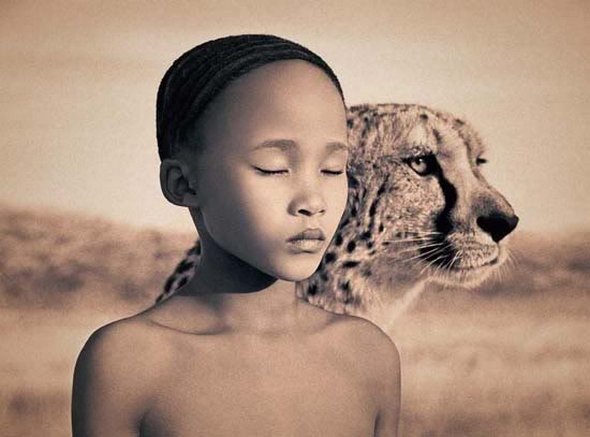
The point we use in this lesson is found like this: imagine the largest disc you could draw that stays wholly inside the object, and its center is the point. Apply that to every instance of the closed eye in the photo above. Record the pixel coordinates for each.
(333, 172)
(285, 171)
(270, 172)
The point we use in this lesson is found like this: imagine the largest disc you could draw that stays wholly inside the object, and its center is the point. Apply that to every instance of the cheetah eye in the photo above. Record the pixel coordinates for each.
(423, 165)
(480, 161)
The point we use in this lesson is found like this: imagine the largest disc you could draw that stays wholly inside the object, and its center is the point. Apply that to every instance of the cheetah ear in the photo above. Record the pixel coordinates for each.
(175, 183)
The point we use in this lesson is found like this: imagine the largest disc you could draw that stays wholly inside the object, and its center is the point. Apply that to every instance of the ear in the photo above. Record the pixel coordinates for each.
(175, 183)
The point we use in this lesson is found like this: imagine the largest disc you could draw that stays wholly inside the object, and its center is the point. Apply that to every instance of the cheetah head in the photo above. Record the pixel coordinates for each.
(419, 209)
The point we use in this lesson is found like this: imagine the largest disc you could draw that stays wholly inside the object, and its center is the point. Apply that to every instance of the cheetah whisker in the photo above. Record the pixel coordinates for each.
(413, 249)
(432, 252)
(416, 235)
(455, 258)
(511, 259)
(410, 240)
(430, 263)
(420, 232)
(425, 255)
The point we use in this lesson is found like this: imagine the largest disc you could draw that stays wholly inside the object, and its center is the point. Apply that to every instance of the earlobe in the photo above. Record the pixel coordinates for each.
(175, 184)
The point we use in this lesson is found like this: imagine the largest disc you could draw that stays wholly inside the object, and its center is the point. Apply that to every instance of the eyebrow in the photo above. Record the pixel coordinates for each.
(284, 145)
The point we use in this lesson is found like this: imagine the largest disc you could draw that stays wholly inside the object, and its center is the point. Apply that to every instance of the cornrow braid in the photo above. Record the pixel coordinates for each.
(196, 77)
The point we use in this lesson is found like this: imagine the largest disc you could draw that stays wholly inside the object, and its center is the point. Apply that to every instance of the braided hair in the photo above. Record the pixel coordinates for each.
(197, 76)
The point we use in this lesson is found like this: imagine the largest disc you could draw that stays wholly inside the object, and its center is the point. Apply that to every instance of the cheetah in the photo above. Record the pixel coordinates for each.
(419, 210)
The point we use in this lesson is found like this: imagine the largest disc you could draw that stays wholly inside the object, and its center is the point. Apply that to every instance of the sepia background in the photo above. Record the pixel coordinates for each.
(87, 237)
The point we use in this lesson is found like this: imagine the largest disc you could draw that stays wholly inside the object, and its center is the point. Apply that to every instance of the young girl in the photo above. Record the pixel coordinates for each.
(252, 138)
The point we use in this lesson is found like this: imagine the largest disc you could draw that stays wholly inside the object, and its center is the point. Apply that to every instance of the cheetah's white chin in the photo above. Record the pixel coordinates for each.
(469, 276)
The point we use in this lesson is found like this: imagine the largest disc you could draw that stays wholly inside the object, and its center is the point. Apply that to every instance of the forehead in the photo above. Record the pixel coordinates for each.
(290, 98)
(280, 84)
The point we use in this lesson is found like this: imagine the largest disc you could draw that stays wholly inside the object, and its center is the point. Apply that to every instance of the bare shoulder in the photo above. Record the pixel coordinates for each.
(379, 359)
(125, 341)
(115, 377)
(368, 341)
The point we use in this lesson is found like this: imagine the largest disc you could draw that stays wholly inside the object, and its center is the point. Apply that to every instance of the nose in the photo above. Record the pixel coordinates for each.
(311, 208)
(309, 204)
(498, 225)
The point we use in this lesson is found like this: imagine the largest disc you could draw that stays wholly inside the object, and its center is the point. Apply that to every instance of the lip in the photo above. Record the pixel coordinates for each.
(308, 234)
(306, 245)
(310, 240)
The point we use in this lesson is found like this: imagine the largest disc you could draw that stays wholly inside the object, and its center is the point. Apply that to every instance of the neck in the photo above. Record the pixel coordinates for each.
(239, 296)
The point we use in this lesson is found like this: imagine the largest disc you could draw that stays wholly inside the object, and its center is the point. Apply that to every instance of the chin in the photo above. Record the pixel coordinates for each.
(293, 278)
(297, 270)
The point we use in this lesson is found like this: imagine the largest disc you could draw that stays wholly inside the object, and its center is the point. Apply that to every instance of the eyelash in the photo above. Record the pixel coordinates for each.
(277, 172)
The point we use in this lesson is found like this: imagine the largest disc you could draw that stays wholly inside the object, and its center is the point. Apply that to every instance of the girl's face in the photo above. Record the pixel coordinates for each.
(274, 164)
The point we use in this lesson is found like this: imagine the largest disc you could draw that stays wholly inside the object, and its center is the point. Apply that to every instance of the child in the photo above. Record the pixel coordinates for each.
(252, 138)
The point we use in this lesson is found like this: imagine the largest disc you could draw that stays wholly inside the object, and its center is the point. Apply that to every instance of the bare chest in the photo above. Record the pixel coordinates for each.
(261, 389)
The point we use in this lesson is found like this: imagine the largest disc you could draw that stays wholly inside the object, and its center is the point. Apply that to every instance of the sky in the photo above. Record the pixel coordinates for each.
(78, 82)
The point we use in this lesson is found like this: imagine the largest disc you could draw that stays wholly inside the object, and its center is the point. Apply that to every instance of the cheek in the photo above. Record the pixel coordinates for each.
(336, 200)
(245, 208)
(343, 195)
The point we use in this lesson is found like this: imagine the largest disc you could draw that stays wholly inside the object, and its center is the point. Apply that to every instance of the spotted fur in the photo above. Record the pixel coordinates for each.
(419, 209)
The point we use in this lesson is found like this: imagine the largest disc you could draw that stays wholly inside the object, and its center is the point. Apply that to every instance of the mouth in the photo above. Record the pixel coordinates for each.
(308, 234)
(488, 263)
(462, 263)
(467, 276)
(310, 240)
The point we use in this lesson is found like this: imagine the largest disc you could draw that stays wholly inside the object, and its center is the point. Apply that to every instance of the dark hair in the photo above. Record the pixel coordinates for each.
(197, 76)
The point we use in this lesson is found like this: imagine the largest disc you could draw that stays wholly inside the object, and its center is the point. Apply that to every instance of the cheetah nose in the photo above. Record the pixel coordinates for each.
(497, 225)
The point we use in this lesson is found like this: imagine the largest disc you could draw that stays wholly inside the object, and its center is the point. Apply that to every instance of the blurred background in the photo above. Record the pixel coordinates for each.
(87, 237)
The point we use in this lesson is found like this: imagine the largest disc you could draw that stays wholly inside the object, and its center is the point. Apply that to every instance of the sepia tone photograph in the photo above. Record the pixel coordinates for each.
(294, 218)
